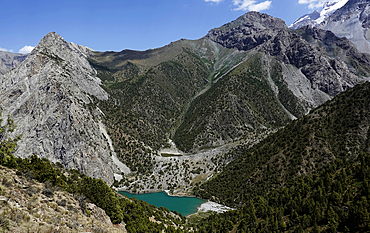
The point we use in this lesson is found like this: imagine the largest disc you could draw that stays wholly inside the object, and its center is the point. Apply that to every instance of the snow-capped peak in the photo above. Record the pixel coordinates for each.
(315, 18)
(329, 8)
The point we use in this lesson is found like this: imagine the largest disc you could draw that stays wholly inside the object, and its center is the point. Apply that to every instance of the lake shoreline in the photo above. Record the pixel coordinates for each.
(203, 207)
(183, 204)
(158, 191)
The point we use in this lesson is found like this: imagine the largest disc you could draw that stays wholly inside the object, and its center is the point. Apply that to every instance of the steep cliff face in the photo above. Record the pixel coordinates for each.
(49, 98)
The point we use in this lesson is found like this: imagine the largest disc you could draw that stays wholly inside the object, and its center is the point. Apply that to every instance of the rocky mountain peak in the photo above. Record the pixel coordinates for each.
(70, 56)
(52, 44)
(254, 20)
(264, 20)
(54, 41)
(308, 49)
(352, 7)
(52, 38)
(248, 31)
(49, 97)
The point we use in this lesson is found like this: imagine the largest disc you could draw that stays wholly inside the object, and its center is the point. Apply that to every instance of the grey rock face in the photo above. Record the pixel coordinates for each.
(49, 97)
(329, 75)
(3, 67)
(83, 49)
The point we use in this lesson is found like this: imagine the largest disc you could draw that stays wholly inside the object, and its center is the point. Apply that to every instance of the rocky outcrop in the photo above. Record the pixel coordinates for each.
(49, 97)
(327, 74)
(3, 67)
(248, 31)
(83, 49)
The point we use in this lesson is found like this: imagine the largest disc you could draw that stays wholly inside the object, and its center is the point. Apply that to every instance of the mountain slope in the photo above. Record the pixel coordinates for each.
(28, 205)
(36, 194)
(238, 104)
(333, 199)
(154, 89)
(338, 129)
(49, 97)
(296, 70)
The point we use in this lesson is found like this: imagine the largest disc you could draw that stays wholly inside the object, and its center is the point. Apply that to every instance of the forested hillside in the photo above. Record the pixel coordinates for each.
(145, 108)
(339, 129)
(335, 198)
(238, 104)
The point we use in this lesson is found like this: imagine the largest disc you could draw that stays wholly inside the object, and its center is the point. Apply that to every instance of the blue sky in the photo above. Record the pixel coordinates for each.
(113, 25)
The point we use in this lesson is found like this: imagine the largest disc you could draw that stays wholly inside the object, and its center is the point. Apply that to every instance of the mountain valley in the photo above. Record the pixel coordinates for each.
(234, 117)
(287, 74)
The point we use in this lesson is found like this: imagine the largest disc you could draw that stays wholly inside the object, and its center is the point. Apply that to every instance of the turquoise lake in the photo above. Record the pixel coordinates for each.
(183, 205)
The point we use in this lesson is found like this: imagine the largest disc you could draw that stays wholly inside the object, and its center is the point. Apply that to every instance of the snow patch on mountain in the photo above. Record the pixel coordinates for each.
(329, 8)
